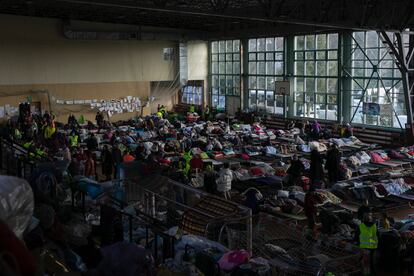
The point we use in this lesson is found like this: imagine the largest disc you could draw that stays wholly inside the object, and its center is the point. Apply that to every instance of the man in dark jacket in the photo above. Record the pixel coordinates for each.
(92, 143)
(117, 159)
(316, 168)
(333, 162)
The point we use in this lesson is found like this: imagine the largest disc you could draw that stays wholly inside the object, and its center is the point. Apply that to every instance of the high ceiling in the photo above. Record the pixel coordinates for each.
(227, 18)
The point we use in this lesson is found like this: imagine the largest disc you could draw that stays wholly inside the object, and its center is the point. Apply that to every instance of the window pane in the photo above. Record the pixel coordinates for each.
(333, 41)
(261, 68)
(261, 44)
(236, 45)
(332, 68)
(252, 56)
(279, 68)
(270, 56)
(299, 84)
(310, 85)
(279, 44)
(222, 67)
(252, 82)
(214, 47)
(252, 45)
(332, 85)
(270, 44)
(321, 41)
(222, 46)
(236, 67)
(321, 85)
(252, 68)
(299, 68)
(270, 68)
(321, 68)
(310, 42)
(309, 68)
(321, 55)
(261, 82)
(214, 67)
(229, 46)
(300, 43)
(229, 68)
(270, 83)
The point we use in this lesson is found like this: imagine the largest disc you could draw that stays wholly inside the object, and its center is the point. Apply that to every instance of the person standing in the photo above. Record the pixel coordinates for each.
(117, 159)
(206, 113)
(316, 168)
(367, 239)
(333, 163)
(295, 171)
(311, 209)
(224, 181)
(107, 163)
(210, 179)
(90, 166)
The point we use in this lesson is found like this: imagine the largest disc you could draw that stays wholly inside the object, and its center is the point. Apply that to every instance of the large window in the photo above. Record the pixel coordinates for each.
(316, 76)
(225, 71)
(192, 93)
(376, 82)
(266, 65)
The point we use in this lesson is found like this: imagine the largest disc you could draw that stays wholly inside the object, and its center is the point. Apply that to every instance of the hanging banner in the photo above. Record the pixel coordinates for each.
(372, 109)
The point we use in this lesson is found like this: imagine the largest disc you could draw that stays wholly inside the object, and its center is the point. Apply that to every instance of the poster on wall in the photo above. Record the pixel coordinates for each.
(282, 87)
(372, 109)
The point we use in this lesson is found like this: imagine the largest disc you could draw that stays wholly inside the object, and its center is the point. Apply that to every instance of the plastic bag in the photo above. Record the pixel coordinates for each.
(16, 204)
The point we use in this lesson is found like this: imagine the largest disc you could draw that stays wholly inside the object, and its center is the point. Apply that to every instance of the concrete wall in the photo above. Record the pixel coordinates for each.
(198, 63)
(35, 55)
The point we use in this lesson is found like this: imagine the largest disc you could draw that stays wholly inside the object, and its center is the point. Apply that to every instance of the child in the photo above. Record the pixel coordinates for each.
(224, 181)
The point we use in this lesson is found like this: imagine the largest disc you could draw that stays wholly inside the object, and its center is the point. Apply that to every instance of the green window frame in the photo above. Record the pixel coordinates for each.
(266, 63)
(375, 79)
(316, 77)
(225, 71)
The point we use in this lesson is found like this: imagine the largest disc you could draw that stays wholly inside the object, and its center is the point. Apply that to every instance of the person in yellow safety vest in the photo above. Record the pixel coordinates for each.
(159, 114)
(367, 238)
(29, 147)
(49, 131)
(73, 139)
(192, 109)
(162, 109)
(17, 134)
